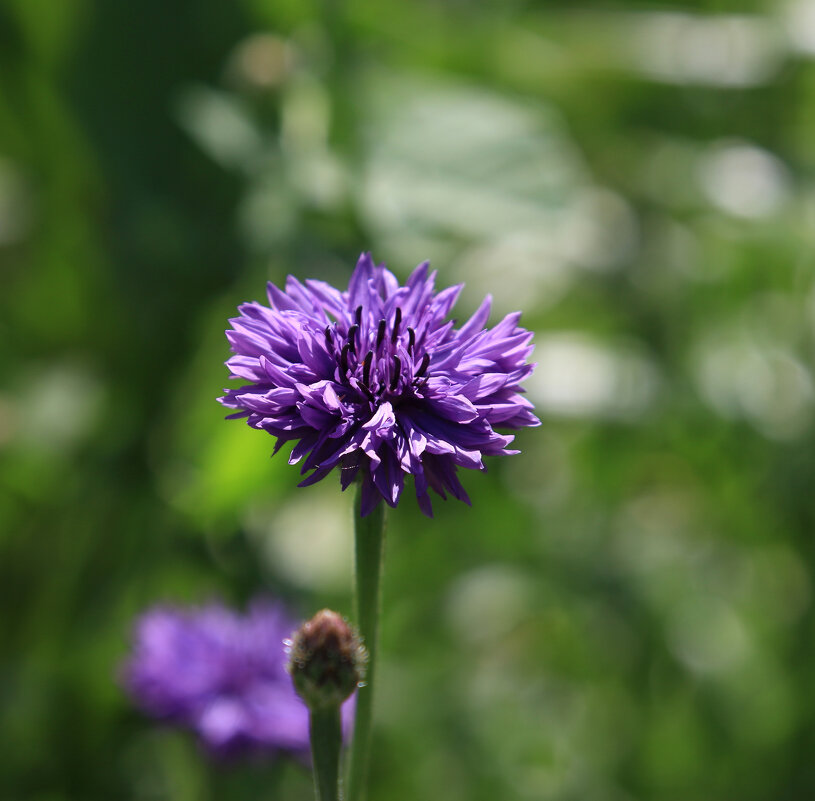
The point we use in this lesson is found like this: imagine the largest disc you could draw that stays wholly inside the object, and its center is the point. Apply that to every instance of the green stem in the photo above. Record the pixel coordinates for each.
(326, 741)
(369, 550)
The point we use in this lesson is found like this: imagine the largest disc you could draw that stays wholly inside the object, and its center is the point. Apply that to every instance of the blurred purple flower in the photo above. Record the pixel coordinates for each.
(374, 381)
(221, 674)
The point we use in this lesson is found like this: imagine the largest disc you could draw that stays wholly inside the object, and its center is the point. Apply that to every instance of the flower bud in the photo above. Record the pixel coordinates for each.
(326, 660)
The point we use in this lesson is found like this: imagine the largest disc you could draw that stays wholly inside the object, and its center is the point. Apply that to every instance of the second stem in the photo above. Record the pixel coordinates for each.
(326, 742)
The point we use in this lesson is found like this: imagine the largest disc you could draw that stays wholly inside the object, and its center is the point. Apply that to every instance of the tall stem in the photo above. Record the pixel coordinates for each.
(326, 741)
(369, 551)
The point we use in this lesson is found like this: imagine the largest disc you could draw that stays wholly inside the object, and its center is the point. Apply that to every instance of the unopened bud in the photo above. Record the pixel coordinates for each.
(326, 660)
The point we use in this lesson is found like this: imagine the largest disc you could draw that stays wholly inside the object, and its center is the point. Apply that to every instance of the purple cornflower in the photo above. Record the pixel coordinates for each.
(221, 674)
(374, 381)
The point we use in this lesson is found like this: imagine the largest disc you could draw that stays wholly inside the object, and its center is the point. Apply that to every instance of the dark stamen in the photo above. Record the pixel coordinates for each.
(397, 369)
(352, 334)
(380, 333)
(328, 342)
(368, 393)
(423, 366)
(397, 320)
(411, 340)
(344, 358)
(358, 315)
(366, 367)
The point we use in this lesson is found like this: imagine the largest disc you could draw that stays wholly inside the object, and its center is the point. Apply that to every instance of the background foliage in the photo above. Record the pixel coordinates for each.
(626, 611)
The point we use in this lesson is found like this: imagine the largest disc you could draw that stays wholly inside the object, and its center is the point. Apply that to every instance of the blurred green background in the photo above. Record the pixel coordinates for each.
(626, 611)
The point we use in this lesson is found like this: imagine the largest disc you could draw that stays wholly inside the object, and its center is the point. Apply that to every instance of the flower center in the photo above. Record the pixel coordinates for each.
(378, 361)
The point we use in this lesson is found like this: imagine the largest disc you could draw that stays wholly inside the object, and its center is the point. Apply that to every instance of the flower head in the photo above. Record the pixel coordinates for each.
(221, 674)
(375, 381)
